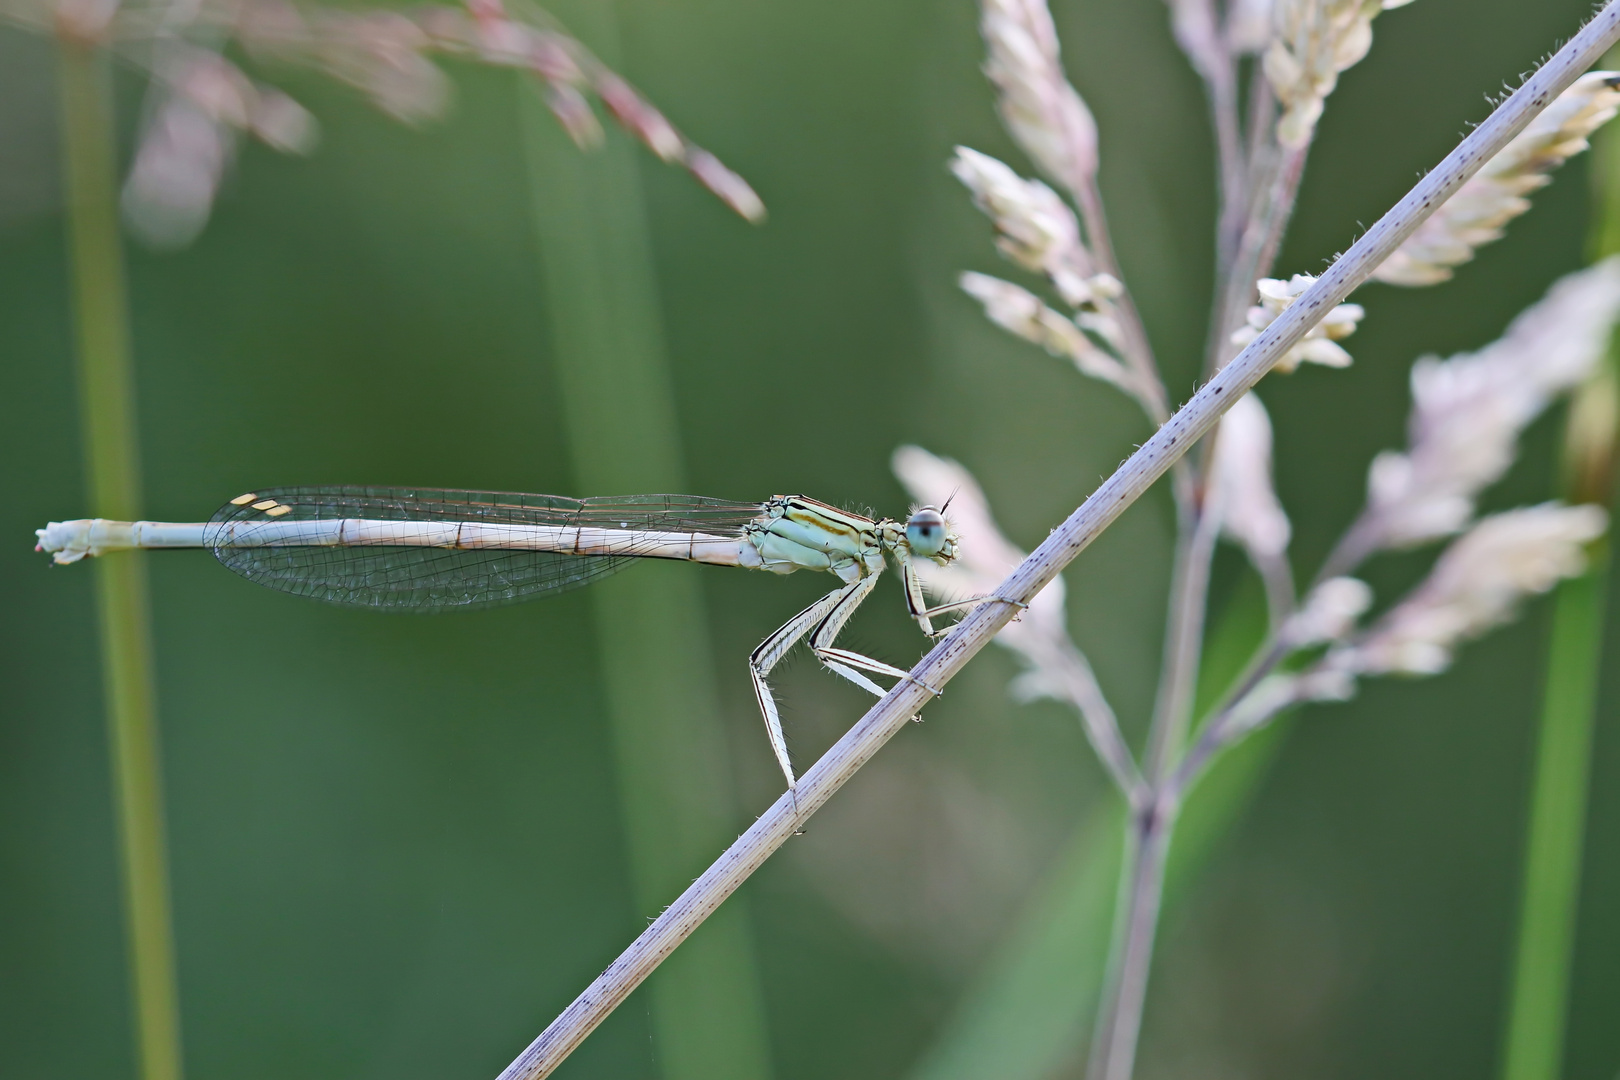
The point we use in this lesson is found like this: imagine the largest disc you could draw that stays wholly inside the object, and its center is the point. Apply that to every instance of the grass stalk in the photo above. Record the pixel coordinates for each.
(620, 419)
(1101, 509)
(1136, 922)
(1552, 868)
(1538, 1003)
(111, 452)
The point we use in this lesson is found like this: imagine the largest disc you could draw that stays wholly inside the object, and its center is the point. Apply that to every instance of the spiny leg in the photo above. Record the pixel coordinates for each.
(770, 653)
(918, 609)
(843, 661)
(916, 606)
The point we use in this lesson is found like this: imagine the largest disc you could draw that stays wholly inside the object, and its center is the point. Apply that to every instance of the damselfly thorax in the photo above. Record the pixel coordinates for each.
(416, 549)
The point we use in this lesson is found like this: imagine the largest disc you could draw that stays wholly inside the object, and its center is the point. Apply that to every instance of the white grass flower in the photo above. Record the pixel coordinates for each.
(1044, 114)
(1054, 667)
(1195, 26)
(1468, 411)
(1479, 213)
(189, 141)
(725, 184)
(572, 75)
(283, 124)
(1329, 613)
(1248, 26)
(1320, 346)
(383, 54)
(1036, 229)
(183, 156)
(203, 102)
(1324, 684)
(1241, 490)
(1023, 313)
(1312, 42)
(1477, 585)
(985, 556)
(1040, 635)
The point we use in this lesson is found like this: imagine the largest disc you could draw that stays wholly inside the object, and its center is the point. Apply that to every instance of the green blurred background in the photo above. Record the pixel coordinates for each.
(396, 843)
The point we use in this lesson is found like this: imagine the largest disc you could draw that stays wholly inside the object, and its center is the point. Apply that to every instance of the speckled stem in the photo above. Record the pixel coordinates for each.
(1128, 483)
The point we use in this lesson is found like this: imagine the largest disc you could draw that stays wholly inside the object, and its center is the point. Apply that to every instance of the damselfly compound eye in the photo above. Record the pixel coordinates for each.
(925, 532)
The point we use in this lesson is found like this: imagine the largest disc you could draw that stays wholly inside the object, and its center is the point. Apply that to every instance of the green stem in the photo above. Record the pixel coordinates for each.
(1552, 873)
(619, 416)
(106, 387)
(1538, 1003)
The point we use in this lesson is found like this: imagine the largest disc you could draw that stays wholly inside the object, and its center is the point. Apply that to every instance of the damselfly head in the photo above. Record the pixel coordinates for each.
(927, 535)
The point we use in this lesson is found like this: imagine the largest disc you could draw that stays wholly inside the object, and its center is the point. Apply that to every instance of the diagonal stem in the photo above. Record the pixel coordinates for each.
(618, 410)
(1138, 349)
(1150, 462)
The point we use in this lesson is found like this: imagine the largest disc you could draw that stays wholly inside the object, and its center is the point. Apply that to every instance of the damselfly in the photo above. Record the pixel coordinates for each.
(422, 549)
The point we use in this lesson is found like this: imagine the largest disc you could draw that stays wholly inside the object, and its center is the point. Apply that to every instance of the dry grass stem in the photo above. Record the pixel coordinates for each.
(979, 627)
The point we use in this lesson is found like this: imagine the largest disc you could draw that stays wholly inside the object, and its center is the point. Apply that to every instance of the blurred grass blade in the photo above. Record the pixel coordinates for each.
(1552, 869)
(1538, 1004)
(1030, 1011)
(107, 401)
(1549, 902)
(619, 413)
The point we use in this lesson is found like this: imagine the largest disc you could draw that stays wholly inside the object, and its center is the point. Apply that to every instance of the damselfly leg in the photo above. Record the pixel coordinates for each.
(919, 610)
(822, 621)
(417, 549)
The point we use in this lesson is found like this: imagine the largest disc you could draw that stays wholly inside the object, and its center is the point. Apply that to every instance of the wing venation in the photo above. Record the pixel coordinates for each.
(408, 578)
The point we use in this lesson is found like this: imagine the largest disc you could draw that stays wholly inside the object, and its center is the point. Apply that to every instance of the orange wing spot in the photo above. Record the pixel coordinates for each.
(264, 504)
(243, 500)
(277, 511)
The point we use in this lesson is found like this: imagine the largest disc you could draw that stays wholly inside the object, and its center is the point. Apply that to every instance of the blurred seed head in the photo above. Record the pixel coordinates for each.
(1312, 41)
(1248, 26)
(283, 124)
(1036, 229)
(1021, 312)
(1481, 209)
(1478, 584)
(1241, 490)
(84, 22)
(383, 55)
(177, 171)
(204, 101)
(639, 118)
(1044, 114)
(731, 188)
(1329, 613)
(1194, 25)
(189, 142)
(985, 557)
(1468, 411)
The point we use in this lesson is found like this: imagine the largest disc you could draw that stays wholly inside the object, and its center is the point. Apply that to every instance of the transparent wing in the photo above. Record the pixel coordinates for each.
(433, 578)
